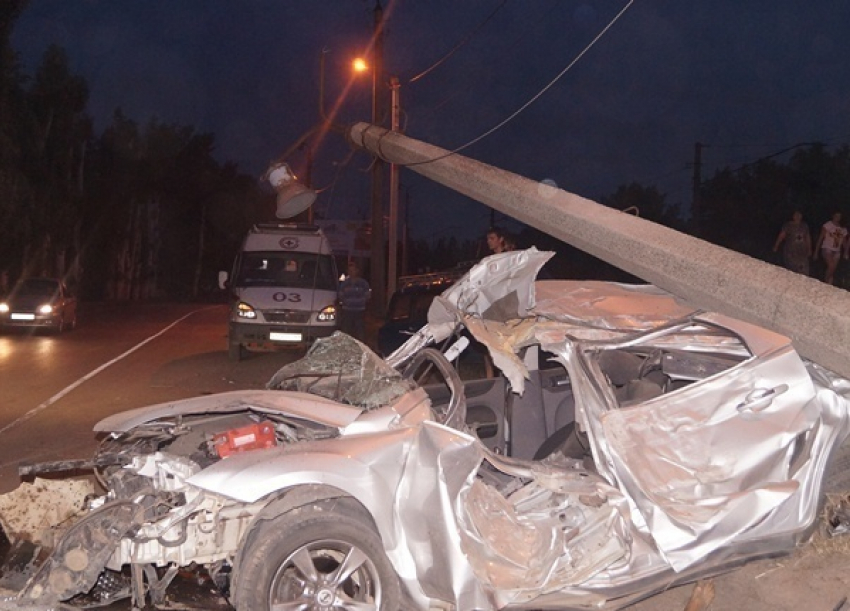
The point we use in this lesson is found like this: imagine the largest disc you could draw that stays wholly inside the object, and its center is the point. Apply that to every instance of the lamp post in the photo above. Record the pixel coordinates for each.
(392, 270)
(377, 262)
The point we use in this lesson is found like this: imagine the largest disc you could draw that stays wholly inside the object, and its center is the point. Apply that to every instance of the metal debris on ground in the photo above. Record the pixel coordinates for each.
(34, 510)
(837, 514)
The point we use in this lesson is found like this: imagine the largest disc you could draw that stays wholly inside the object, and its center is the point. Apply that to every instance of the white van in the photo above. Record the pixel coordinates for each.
(283, 288)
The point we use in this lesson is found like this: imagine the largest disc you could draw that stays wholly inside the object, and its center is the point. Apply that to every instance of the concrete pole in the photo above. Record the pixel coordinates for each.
(814, 315)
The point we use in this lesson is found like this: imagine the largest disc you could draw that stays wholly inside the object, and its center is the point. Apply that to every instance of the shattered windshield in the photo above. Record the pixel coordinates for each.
(345, 370)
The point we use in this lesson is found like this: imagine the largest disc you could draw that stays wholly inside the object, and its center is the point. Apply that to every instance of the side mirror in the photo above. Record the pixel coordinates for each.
(222, 280)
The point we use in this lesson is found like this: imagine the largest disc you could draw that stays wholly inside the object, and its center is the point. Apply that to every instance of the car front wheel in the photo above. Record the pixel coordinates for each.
(318, 558)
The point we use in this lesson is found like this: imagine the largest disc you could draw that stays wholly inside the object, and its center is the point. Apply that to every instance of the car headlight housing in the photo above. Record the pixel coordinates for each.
(243, 310)
(45, 309)
(327, 314)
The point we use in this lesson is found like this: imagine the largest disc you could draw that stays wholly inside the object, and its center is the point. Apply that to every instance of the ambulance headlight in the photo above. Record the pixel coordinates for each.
(327, 314)
(243, 310)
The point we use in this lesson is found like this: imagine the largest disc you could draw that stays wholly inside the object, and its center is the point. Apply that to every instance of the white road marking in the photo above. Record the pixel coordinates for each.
(93, 373)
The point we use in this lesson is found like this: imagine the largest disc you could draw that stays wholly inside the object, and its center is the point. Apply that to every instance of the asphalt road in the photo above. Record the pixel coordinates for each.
(55, 388)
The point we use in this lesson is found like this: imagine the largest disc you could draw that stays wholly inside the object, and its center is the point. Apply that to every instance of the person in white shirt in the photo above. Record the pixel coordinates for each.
(831, 242)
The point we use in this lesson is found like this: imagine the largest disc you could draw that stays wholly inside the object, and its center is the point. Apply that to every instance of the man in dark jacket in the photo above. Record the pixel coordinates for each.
(354, 293)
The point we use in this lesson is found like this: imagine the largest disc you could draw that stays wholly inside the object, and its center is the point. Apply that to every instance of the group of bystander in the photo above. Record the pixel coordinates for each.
(796, 243)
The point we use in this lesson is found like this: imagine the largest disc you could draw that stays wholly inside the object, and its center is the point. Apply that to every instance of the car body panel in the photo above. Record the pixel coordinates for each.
(319, 409)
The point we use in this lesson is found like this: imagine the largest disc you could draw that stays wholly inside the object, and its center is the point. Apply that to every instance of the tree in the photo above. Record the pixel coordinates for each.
(56, 131)
(743, 208)
(646, 202)
(13, 185)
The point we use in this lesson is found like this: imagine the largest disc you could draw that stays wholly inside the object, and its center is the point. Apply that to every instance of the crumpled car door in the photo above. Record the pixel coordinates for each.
(708, 462)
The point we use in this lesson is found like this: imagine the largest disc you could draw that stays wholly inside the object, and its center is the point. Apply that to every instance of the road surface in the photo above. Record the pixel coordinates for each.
(54, 388)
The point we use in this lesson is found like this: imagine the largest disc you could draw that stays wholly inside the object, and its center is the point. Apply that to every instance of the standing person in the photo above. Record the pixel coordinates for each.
(495, 240)
(354, 293)
(796, 242)
(830, 243)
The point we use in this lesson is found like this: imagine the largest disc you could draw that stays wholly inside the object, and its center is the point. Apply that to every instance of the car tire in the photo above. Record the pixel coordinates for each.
(291, 560)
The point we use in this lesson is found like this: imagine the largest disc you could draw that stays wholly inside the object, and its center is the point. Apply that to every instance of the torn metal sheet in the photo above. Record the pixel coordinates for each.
(608, 305)
(499, 288)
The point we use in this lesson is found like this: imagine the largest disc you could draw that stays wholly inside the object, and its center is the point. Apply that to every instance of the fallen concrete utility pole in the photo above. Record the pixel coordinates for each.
(816, 316)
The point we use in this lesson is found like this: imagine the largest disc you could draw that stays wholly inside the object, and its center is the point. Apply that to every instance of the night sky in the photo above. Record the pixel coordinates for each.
(745, 78)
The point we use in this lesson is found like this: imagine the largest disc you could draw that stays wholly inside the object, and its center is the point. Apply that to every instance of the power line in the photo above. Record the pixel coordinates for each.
(534, 98)
(460, 44)
(830, 142)
(512, 44)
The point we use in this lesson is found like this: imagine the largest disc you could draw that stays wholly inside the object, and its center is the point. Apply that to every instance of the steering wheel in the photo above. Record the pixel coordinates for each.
(454, 413)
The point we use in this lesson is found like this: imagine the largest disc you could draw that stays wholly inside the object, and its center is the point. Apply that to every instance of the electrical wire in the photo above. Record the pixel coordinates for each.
(534, 98)
(462, 42)
(512, 44)
(832, 141)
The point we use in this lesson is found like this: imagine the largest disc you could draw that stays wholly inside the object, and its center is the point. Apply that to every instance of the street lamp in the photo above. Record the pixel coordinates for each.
(377, 262)
(360, 65)
(293, 198)
(392, 271)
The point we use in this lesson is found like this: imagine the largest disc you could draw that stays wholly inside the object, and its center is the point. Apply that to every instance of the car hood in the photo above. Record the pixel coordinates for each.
(30, 302)
(297, 404)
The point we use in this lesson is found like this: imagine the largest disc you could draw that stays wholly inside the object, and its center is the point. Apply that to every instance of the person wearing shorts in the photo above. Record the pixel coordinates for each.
(833, 235)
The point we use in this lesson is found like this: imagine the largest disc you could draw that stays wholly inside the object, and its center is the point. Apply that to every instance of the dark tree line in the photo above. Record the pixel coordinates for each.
(744, 208)
(135, 212)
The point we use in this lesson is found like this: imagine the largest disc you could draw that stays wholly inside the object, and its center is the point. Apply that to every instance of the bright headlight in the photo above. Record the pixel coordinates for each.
(45, 309)
(4, 307)
(243, 310)
(327, 314)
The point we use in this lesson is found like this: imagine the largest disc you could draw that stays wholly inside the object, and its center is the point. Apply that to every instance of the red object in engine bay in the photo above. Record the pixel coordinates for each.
(257, 436)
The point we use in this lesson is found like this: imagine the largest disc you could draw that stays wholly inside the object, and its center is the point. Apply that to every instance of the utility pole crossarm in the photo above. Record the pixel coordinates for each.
(814, 315)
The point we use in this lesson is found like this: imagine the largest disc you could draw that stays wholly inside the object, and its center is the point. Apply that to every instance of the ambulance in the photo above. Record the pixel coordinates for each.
(283, 288)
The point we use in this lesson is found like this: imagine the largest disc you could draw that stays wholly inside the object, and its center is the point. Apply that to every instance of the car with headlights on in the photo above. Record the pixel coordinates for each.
(40, 303)
(630, 443)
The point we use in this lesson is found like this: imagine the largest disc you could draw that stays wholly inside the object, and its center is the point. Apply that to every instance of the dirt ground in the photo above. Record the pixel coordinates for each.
(815, 578)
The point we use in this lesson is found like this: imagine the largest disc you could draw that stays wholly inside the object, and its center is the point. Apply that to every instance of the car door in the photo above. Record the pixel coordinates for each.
(704, 463)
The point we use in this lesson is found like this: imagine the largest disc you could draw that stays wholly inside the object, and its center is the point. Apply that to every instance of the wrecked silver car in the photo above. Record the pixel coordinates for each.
(629, 443)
